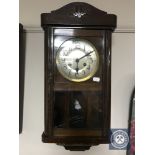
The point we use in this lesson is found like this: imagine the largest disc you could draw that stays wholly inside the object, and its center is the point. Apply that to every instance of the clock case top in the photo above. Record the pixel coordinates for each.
(87, 22)
(79, 14)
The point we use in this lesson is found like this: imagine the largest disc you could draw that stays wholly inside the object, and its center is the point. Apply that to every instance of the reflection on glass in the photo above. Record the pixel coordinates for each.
(78, 109)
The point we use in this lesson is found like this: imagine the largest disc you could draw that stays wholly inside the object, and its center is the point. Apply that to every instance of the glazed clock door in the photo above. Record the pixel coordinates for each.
(79, 83)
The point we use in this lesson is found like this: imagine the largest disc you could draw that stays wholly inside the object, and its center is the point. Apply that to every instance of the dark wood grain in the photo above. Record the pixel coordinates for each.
(79, 20)
(21, 74)
(91, 16)
(79, 132)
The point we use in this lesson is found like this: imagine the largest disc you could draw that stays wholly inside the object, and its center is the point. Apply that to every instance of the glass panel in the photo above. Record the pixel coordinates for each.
(78, 85)
(77, 109)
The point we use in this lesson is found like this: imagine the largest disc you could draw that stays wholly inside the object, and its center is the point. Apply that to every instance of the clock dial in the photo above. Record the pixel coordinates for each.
(77, 60)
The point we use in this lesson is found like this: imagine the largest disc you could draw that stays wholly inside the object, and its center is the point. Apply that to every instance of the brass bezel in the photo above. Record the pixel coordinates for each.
(87, 77)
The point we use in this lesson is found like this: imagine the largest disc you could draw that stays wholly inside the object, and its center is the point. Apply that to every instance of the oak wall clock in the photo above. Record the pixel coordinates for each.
(77, 76)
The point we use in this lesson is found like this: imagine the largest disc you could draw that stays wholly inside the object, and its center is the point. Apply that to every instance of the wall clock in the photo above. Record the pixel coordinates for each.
(77, 76)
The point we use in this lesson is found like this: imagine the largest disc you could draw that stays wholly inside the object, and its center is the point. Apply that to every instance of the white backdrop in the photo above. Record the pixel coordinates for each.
(30, 10)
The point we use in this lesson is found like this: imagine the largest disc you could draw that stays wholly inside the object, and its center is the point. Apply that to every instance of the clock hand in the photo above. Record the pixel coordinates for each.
(77, 60)
(85, 55)
(77, 68)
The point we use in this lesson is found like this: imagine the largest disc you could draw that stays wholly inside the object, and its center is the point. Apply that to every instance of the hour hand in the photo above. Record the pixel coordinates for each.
(77, 68)
(77, 72)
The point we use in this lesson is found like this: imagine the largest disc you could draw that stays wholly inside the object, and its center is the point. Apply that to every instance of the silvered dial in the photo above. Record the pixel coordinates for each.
(77, 60)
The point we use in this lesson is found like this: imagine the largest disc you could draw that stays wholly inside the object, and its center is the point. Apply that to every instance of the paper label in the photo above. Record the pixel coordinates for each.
(96, 79)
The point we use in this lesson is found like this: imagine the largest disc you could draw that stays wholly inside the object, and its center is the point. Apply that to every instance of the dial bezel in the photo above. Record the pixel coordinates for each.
(92, 73)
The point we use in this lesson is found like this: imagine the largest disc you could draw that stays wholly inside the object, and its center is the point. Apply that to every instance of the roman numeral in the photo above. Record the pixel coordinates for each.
(88, 67)
(84, 72)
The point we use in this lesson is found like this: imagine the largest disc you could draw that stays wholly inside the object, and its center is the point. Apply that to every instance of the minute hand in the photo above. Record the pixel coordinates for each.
(86, 55)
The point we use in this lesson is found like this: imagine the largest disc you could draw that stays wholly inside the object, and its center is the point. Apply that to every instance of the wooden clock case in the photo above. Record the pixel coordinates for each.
(77, 20)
